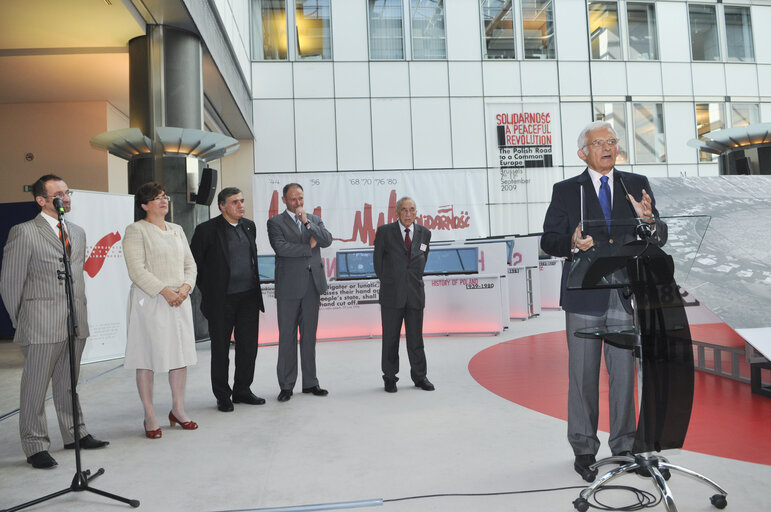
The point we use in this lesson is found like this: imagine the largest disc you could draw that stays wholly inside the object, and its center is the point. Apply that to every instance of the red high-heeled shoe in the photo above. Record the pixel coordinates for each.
(187, 425)
(152, 434)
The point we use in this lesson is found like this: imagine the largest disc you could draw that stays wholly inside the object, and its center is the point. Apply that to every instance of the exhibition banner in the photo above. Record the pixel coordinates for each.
(104, 217)
(523, 138)
(451, 203)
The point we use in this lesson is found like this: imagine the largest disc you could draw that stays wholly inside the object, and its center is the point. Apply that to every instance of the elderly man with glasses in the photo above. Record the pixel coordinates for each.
(600, 191)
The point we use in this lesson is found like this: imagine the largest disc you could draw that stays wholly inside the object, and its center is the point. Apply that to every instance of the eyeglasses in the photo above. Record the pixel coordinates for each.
(599, 143)
(61, 195)
(162, 198)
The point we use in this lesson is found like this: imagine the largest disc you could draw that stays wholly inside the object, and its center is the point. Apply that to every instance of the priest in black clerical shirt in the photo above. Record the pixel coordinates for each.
(225, 252)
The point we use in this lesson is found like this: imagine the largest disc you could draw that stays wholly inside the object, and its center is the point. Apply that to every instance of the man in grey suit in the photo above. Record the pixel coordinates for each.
(34, 294)
(297, 238)
(401, 251)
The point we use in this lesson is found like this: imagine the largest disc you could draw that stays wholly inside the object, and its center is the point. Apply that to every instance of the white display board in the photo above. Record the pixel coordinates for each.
(104, 217)
(454, 305)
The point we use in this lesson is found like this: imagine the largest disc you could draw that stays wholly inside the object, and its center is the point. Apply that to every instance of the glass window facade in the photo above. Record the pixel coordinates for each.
(538, 29)
(498, 29)
(269, 30)
(386, 32)
(615, 114)
(743, 114)
(603, 30)
(704, 34)
(738, 33)
(314, 39)
(709, 117)
(650, 145)
(428, 33)
(643, 40)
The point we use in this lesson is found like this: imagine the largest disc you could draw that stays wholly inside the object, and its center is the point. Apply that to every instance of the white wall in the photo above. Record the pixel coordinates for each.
(351, 114)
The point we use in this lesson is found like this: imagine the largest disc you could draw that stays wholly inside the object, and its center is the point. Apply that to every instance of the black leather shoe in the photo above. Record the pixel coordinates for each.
(316, 390)
(625, 453)
(42, 460)
(88, 443)
(581, 465)
(425, 385)
(390, 386)
(225, 405)
(247, 398)
(285, 395)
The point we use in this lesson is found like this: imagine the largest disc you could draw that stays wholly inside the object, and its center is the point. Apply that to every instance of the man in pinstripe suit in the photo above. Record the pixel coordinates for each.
(34, 295)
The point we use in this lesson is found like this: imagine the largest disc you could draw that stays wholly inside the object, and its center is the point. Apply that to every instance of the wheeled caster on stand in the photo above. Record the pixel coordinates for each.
(654, 467)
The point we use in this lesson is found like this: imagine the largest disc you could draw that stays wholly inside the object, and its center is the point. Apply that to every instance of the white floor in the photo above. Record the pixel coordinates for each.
(359, 443)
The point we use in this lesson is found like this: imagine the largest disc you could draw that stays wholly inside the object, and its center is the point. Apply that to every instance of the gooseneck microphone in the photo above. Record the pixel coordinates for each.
(642, 229)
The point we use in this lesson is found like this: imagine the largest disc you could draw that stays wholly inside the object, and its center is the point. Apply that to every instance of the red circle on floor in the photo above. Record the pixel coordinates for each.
(727, 420)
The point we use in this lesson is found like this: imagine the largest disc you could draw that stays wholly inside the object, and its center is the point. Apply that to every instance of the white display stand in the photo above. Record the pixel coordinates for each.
(524, 279)
(550, 277)
(493, 261)
(456, 304)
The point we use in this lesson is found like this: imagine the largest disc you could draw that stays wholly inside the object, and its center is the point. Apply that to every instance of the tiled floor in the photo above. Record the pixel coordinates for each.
(358, 443)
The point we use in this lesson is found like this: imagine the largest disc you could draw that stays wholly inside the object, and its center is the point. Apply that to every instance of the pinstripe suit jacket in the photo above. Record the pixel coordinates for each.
(32, 292)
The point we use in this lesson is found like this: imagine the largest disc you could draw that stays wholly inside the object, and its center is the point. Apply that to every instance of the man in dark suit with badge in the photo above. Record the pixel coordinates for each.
(601, 191)
(401, 251)
(225, 252)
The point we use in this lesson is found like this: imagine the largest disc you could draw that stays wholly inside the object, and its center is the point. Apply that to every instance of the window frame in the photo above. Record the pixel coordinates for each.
(627, 30)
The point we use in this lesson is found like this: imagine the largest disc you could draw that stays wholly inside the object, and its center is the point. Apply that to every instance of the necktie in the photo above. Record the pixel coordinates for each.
(407, 241)
(299, 224)
(66, 238)
(605, 199)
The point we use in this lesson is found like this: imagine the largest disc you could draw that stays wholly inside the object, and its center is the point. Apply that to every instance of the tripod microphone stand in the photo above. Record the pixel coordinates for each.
(82, 478)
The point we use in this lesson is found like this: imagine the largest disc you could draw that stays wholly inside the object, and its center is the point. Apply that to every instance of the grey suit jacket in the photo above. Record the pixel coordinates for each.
(401, 276)
(32, 292)
(294, 255)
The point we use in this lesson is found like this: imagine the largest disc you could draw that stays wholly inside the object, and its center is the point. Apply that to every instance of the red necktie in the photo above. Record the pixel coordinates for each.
(66, 239)
(407, 241)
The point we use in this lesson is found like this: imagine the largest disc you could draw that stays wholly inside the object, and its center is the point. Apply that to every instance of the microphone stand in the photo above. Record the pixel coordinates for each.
(82, 478)
(641, 229)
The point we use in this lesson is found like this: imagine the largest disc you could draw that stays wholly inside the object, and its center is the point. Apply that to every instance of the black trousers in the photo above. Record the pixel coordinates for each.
(240, 317)
(392, 319)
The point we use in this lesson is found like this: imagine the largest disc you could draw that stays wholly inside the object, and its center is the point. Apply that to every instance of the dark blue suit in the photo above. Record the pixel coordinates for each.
(595, 308)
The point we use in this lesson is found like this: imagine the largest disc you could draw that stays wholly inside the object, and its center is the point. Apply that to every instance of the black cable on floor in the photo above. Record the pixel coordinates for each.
(644, 499)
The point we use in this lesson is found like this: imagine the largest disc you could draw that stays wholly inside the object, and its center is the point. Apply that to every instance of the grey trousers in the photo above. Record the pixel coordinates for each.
(293, 314)
(44, 363)
(584, 375)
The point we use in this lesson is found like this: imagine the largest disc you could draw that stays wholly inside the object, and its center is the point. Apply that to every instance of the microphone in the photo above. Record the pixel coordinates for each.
(642, 229)
(59, 205)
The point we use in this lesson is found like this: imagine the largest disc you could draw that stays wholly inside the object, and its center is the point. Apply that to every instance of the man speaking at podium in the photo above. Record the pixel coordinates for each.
(600, 191)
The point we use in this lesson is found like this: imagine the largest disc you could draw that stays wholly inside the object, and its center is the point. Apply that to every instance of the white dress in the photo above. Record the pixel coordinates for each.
(160, 337)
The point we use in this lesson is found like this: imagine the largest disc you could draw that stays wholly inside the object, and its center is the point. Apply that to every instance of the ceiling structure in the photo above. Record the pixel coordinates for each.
(77, 50)
(66, 51)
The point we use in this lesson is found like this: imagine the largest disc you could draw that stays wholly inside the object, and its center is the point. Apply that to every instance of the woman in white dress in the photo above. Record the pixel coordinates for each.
(160, 318)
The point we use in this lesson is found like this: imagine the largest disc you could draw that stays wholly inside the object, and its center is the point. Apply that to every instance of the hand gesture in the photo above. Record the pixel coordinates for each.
(643, 208)
(171, 296)
(301, 214)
